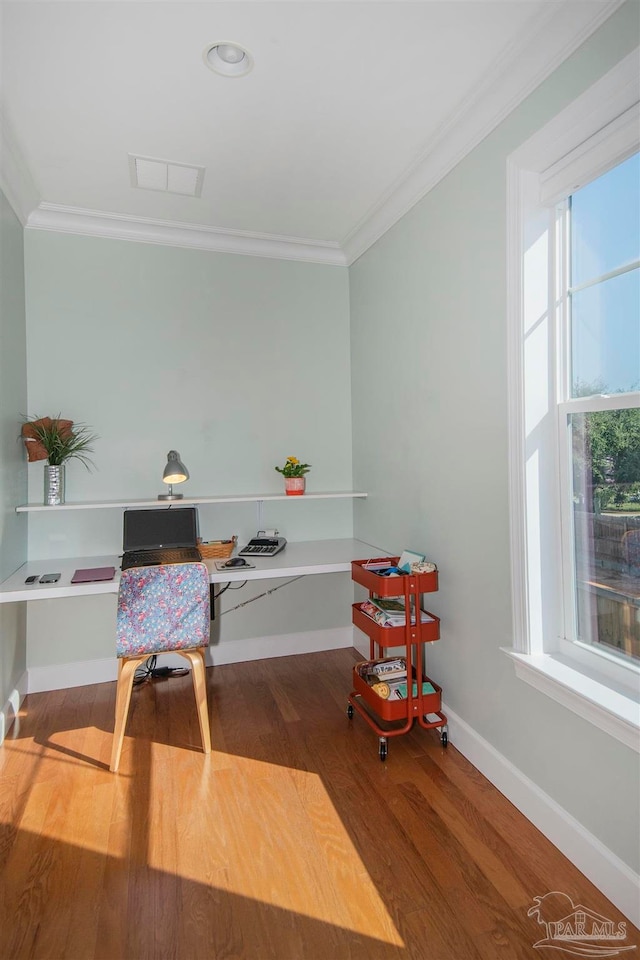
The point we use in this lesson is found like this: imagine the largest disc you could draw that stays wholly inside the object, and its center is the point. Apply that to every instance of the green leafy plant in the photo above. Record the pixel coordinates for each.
(293, 468)
(58, 440)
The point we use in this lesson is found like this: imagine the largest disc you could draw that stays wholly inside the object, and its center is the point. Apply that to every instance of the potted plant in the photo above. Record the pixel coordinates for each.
(294, 479)
(56, 441)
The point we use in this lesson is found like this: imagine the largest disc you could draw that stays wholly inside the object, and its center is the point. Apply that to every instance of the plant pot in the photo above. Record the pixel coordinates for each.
(53, 485)
(294, 486)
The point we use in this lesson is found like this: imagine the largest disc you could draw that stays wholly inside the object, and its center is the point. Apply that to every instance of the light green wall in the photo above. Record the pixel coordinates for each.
(13, 475)
(237, 362)
(428, 318)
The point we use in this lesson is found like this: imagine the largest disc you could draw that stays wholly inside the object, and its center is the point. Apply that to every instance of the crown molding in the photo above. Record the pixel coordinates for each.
(96, 223)
(552, 38)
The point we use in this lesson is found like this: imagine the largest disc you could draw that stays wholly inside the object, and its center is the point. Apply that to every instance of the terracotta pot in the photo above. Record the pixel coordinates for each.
(294, 486)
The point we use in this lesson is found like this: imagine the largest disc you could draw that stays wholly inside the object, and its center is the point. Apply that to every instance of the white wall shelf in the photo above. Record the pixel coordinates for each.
(230, 498)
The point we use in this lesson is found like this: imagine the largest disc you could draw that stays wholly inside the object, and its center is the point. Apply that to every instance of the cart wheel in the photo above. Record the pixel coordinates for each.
(382, 749)
(350, 711)
(444, 739)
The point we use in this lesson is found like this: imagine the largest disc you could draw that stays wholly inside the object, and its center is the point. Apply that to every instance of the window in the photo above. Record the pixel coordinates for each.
(599, 416)
(574, 326)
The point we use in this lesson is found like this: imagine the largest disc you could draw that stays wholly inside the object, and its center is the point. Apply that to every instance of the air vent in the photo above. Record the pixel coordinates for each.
(167, 176)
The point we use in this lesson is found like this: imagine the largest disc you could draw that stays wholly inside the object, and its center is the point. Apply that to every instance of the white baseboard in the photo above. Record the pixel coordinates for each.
(361, 642)
(61, 676)
(11, 706)
(604, 869)
(283, 645)
(64, 675)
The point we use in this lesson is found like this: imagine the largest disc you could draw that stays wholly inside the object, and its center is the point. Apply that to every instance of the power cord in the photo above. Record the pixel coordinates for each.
(239, 586)
(149, 671)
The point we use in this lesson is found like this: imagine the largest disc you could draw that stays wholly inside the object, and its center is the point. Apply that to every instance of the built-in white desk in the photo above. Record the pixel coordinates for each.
(297, 559)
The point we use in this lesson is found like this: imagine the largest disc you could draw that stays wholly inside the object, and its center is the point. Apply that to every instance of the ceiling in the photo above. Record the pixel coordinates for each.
(352, 111)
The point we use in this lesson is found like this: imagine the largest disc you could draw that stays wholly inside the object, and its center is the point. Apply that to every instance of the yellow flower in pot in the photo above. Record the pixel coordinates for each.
(294, 476)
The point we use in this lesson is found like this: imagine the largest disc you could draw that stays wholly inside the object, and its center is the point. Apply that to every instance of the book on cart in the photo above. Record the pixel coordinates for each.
(390, 611)
(398, 689)
(391, 669)
(388, 679)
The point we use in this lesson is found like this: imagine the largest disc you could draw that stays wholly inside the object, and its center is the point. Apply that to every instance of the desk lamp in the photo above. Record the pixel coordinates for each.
(174, 472)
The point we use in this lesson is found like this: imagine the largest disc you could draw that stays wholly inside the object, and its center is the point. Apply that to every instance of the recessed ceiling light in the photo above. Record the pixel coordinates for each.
(228, 59)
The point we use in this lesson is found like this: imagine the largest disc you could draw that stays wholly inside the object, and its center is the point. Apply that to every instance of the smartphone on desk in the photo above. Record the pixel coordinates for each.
(49, 578)
(262, 546)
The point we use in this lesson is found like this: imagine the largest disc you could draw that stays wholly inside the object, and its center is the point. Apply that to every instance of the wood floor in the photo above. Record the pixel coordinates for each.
(291, 841)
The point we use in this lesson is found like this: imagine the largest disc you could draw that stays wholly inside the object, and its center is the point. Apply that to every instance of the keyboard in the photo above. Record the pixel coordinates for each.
(152, 558)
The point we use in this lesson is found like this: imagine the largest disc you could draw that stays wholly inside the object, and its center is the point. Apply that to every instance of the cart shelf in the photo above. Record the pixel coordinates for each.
(391, 710)
(364, 573)
(421, 706)
(394, 636)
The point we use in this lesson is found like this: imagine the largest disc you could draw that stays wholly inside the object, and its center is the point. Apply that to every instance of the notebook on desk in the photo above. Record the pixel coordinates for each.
(93, 574)
(164, 535)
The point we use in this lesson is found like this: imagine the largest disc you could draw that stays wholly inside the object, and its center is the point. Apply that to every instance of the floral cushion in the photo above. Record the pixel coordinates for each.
(163, 608)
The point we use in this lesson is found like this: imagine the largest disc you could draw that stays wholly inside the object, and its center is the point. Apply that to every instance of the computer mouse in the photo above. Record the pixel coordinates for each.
(236, 562)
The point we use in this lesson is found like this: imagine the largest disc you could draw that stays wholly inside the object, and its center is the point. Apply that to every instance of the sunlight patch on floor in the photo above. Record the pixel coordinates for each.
(289, 848)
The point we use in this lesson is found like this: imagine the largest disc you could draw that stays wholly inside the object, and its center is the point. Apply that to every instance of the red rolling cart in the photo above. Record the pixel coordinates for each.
(423, 696)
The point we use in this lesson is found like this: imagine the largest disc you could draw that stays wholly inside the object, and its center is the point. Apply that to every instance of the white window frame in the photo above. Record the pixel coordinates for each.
(596, 132)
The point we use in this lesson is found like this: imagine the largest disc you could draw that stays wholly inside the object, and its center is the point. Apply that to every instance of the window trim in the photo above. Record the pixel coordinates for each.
(595, 132)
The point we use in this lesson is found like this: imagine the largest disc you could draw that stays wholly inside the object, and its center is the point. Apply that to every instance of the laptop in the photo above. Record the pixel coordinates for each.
(164, 535)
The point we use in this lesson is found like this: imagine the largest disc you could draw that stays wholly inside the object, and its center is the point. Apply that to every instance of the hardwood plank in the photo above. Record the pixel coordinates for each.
(475, 901)
(290, 841)
(112, 920)
(544, 866)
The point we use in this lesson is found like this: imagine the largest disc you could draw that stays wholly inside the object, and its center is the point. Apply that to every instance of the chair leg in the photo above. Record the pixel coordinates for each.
(126, 669)
(198, 673)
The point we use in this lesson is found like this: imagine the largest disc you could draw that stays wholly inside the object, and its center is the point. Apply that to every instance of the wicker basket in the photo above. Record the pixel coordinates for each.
(216, 549)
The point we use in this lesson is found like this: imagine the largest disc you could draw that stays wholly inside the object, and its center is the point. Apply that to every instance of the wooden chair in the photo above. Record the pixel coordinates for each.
(161, 609)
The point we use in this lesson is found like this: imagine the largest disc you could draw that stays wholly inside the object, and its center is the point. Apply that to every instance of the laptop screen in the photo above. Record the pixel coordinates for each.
(166, 527)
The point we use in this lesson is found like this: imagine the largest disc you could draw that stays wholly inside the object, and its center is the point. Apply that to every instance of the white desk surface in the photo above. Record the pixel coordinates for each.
(297, 559)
